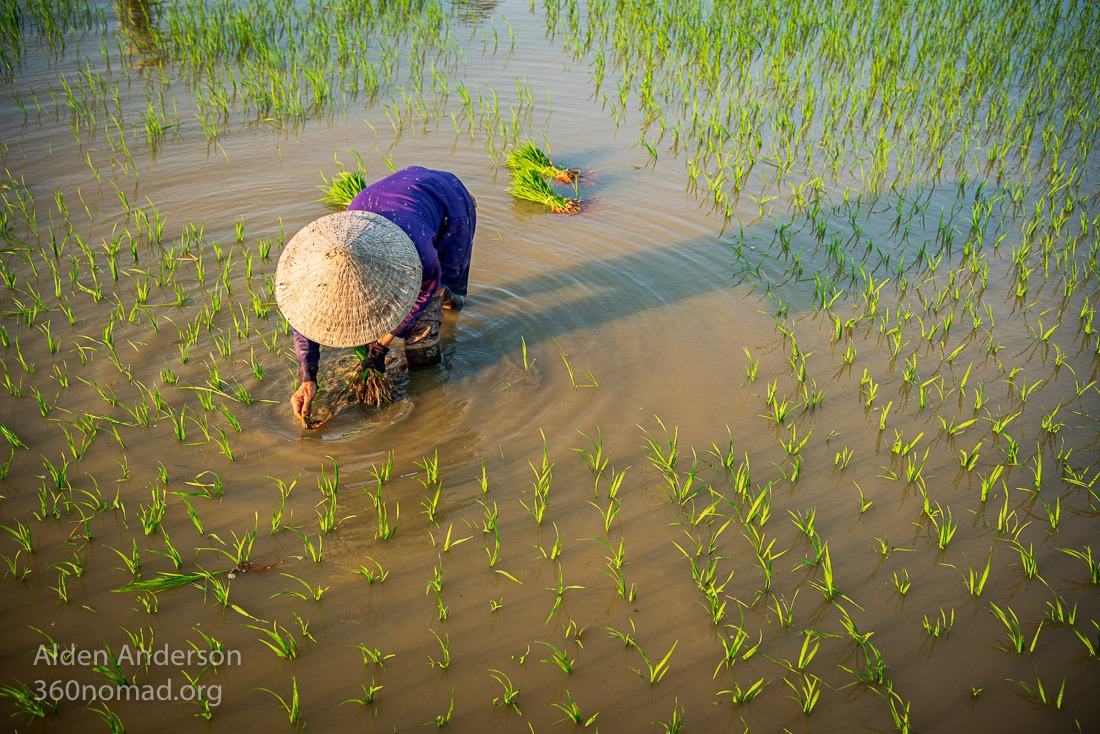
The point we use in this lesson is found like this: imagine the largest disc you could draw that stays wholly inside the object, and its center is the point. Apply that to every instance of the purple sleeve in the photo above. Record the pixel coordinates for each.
(308, 353)
(428, 286)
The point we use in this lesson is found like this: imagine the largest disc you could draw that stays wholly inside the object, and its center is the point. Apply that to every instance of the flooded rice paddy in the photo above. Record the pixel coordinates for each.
(793, 427)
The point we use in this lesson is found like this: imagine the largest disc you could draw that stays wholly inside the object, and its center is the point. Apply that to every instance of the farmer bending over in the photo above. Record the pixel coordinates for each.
(384, 268)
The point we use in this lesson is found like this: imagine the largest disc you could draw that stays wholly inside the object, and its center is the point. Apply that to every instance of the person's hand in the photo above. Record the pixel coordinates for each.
(302, 399)
(376, 358)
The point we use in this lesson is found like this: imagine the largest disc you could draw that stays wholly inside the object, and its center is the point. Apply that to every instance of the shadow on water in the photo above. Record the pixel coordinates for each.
(588, 295)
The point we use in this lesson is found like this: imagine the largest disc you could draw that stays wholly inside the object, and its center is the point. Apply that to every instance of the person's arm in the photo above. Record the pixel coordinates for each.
(308, 353)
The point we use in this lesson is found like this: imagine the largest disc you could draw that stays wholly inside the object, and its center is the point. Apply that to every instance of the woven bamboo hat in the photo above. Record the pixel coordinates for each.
(348, 278)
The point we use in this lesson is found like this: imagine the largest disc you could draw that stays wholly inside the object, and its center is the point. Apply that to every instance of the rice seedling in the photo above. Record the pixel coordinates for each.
(1091, 642)
(528, 185)
(374, 656)
(278, 639)
(807, 694)
(511, 692)
(342, 187)
(1085, 556)
(22, 535)
(27, 701)
(373, 575)
(369, 694)
(975, 581)
(573, 712)
(312, 592)
(1040, 694)
(939, 626)
(442, 720)
(444, 660)
(558, 657)
(528, 156)
(654, 673)
(293, 708)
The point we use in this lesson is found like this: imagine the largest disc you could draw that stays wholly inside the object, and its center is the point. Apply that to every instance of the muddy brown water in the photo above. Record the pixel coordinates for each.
(643, 296)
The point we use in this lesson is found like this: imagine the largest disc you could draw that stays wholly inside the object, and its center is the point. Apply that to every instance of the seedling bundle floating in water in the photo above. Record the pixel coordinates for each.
(530, 168)
(529, 156)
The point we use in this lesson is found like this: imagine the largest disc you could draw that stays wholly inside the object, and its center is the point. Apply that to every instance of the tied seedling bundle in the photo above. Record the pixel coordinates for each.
(529, 185)
(342, 188)
(530, 169)
(368, 387)
(529, 156)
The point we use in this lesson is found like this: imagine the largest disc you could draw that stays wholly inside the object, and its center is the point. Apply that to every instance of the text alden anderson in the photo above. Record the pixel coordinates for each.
(162, 656)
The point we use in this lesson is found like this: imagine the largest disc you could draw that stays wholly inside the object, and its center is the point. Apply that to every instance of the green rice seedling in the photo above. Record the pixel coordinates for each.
(804, 524)
(751, 366)
(170, 552)
(945, 529)
(444, 661)
(314, 552)
(342, 188)
(975, 581)
(278, 639)
(1059, 611)
(374, 656)
(430, 504)
(594, 459)
(114, 723)
(627, 638)
(573, 712)
(528, 185)
(381, 474)
(22, 535)
(675, 722)
(654, 673)
(807, 694)
(902, 583)
(840, 461)
(1085, 556)
(448, 543)
(988, 481)
(511, 692)
(969, 459)
(373, 575)
(442, 720)
(558, 657)
(293, 708)
(608, 515)
(312, 592)
(528, 364)
(529, 156)
(1091, 642)
(1040, 694)
(939, 626)
(827, 585)
(385, 531)
(741, 695)
(27, 701)
(111, 668)
(369, 694)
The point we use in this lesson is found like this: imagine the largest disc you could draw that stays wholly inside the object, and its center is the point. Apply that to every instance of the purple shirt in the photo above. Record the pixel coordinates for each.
(437, 213)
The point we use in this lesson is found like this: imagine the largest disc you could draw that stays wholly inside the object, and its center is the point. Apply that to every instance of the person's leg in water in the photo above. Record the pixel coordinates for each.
(422, 342)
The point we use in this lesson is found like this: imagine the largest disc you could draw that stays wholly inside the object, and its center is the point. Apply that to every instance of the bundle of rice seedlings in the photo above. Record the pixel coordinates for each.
(529, 156)
(528, 184)
(342, 188)
(369, 387)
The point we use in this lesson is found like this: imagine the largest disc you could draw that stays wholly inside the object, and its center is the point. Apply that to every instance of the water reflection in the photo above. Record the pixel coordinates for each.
(137, 22)
(474, 11)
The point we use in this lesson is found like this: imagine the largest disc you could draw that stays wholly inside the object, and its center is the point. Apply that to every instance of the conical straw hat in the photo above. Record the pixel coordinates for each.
(348, 278)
